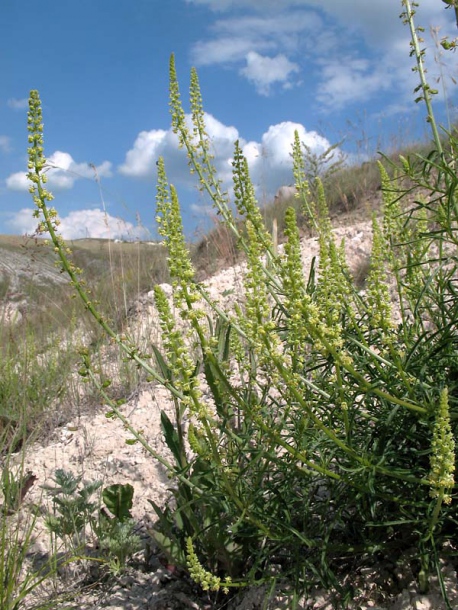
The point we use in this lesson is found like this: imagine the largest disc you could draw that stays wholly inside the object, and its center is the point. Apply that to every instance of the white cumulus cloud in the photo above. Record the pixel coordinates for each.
(17, 182)
(80, 224)
(62, 172)
(265, 71)
(269, 159)
(141, 159)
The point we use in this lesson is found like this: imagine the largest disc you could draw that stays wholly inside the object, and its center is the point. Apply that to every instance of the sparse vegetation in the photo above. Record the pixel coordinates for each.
(87, 530)
(315, 423)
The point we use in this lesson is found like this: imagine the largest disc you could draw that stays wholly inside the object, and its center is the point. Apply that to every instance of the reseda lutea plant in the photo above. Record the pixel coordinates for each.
(327, 428)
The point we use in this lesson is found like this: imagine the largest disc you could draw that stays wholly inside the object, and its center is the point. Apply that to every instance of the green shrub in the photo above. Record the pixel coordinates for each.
(327, 429)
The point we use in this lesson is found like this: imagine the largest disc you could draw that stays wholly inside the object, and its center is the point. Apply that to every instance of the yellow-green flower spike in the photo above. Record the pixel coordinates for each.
(176, 108)
(245, 199)
(257, 322)
(168, 217)
(378, 296)
(332, 285)
(442, 459)
(180, 361)
(37, 160)
(391, 207)
(207, 580)
(296, 297)
(301, 183)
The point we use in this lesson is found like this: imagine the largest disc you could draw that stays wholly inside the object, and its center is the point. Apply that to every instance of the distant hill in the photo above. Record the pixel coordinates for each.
(116, 273)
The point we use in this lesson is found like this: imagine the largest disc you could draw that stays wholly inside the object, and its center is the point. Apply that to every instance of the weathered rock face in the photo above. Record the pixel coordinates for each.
(10, 313)
(20, 264)
(24, 263)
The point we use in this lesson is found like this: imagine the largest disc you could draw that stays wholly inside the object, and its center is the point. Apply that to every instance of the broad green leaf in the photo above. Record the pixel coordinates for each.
(118, 500)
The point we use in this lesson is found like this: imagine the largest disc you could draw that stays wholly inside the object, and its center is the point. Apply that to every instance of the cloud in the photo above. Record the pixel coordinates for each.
(283, 29)
(201, 209)
(224, 50)
(18, 182)
(18, 104)
(148, 147)
(269, 160)
(5, 144)
(216, 5)
(355, 10)
(224, 5)
(264, 71)
(62, 173)
(378, 22)
(81, 224)
(258, 46)
(141, 160)
(354, 50)
(350, 80)
(233, 38)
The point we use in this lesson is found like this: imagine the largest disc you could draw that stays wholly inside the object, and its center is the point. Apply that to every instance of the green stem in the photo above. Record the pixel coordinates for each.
(418, 53)
(435, 514)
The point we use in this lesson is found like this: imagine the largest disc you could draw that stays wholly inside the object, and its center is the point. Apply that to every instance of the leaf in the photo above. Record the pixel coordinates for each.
(118, 500)
(311, 278)
(157, 509)
(170, 547)
(209, 371)
(169, 534)
(171, 438)
(223, 332)
(161, 363)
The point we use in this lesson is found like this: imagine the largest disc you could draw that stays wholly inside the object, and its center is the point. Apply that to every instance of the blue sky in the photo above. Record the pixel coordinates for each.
(333, 69)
